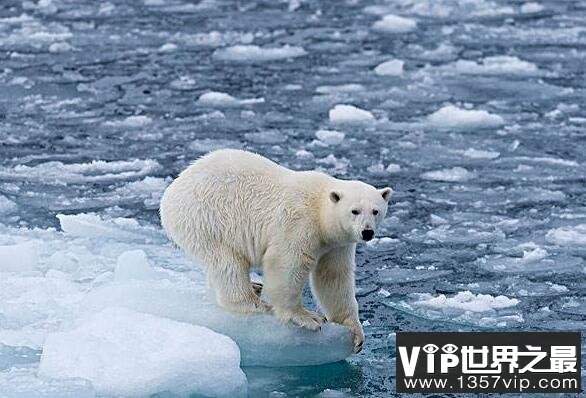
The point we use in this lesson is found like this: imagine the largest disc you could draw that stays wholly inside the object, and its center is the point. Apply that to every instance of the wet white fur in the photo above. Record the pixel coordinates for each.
(233, 210)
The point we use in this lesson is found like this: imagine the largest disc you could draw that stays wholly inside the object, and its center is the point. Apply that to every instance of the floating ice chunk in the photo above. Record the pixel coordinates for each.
(304, 154)
(531, 7)
(395, 24)
(568, 236)
(338, 165)
(253, 53)
(497, 65)
(266, 137)
(123, 352)
(464, 307)
(135, 121)
(455, 174)
(514, 287)
(215, 98)
(533, 261)
(573, 305)
(6, 205)
(215, 38)
(219, 99)
(437, 220)
(93, 226)
(393, 67)
(168, 48)
(133, 264)
(463, 235)
(479, 154)
(407, 275)
(349, 114)
(210, 144)
(393, 168)
(24, 383)
(330, 137)
(59, 173)
(61, 47)
(148, 190)
(263, 340)
(19, 258)
(451, 117)
(466, 301)
(384, 242)
(340, 89)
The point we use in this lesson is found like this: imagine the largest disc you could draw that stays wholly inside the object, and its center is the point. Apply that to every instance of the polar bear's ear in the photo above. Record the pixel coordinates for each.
(335, 196)
(386, 193)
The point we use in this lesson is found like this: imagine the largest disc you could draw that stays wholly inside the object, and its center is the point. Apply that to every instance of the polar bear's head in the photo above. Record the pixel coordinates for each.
(355, 210)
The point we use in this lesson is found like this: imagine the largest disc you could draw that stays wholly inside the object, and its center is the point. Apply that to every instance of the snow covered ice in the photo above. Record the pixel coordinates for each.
(473, 111)
(121, 352)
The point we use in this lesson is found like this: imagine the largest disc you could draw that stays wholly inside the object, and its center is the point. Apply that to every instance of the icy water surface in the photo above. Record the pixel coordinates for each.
(473, 111)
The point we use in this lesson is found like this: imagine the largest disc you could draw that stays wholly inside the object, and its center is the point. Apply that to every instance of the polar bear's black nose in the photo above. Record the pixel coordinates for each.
(367, 234)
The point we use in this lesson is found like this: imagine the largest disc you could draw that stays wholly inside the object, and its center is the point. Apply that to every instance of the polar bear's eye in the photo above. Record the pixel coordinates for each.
(356, 212)
(375, 212)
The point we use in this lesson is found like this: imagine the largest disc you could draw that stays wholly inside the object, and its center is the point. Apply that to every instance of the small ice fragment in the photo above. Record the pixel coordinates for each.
(6, 205)
(127, 353)
(437, 220)
(393, 168)
(479, 154)
(304, 154)
(168, 48)
(219, 99)
(452, 117)
(131, 122)
(395, 24)
(330, 137)
(455, 174)
(568, 236)
(390, 68)
(349, 114)
(60, 47)
(496, 65)
(376, 168)
(531, 8)
(253, 53)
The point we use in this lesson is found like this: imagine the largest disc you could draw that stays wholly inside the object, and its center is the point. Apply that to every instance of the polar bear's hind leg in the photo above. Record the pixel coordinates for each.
(228, 275)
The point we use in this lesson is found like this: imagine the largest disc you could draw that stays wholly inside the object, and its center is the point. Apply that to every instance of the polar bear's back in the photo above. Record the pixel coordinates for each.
(226, 198)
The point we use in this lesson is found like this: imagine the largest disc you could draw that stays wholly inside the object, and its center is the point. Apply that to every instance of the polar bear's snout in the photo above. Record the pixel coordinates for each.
(367, 234)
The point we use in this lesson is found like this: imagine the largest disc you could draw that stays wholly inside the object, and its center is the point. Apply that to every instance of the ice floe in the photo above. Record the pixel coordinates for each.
(464, 307)
(568, 236)
(126, 353)
(253, 53)
(59, 173)
(407, 275)
(342, 113)
(393, 67)
(496, 65)
(452, 117)
(219, 99)
(330, 137)
(59, 297)
(395, 24)
(455, 174)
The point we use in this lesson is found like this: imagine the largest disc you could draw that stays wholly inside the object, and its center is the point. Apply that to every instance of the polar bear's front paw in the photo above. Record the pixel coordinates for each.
(304, 318)
(357, 337)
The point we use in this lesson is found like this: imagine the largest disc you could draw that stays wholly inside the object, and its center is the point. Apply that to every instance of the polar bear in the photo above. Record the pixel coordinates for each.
(233, 210)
